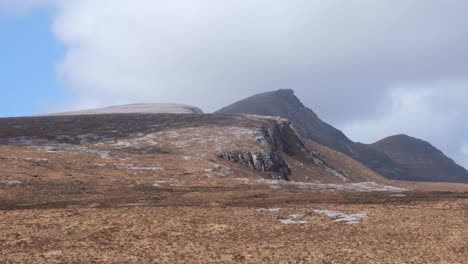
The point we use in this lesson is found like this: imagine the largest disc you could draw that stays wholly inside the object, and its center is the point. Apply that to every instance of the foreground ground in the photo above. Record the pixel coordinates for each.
(245, 224)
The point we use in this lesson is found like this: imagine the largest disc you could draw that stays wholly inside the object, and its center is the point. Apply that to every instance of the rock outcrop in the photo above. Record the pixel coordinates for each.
(274, 140)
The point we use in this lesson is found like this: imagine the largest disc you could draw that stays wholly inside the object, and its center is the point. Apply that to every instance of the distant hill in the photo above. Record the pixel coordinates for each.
(394, 157)
(137, 109)
(419, 160)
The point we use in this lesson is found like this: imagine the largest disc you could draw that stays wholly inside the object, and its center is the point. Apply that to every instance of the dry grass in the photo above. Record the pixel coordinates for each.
(421, 232)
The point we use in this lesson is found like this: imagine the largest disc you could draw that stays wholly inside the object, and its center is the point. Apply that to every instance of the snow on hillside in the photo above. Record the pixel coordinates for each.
(137, 108)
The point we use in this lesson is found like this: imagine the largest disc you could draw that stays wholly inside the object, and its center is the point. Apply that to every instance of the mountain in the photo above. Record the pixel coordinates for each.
(393, 162)
(285, 104)
(137, 109)
(419, 160)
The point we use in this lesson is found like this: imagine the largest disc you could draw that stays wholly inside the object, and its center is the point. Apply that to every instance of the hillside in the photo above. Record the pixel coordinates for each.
(108, 150)
(420, 160)
(391, 164)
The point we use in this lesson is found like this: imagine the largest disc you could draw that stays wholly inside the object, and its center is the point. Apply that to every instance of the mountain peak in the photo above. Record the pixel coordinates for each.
(284, 103)
(283, 92)
(399, 138)
(267, 103)
(403, 141)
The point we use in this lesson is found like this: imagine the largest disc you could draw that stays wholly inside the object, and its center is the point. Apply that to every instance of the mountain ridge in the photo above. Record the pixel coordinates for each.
(377, 156)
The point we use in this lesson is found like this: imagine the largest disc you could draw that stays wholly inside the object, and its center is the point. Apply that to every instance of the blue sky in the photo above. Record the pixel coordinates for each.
(29, 54)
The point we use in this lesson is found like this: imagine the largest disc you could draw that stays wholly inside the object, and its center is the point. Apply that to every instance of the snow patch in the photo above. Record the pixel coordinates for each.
(37, 159)
(20, 140)
(142, 168)
(9, 182)
(243, 180)
(337, 216)
(186, 158)
(293, 219)
(358, 187)
(86, 138)
(104, 154)
(271, 210)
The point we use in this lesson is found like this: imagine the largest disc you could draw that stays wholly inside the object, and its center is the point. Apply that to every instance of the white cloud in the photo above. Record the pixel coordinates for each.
(196, 51)
(435, 112)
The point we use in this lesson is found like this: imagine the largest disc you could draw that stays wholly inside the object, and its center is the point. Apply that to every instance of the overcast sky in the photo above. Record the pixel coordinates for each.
(371, 68)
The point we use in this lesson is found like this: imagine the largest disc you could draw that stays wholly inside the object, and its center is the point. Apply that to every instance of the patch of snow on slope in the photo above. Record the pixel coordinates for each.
(342, 217)
(157, 108)
(38, 160)
(104, 154)
(330, 170)
(142, 168)
(9, 182)
(86, 138)
(336, 173)
(293, 219)
(271, 210)
(20, 140)
(358, 187)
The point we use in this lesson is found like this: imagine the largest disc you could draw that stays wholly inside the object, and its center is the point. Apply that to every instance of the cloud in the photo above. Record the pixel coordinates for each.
(435, 112)
(347, 52)
(351, 61)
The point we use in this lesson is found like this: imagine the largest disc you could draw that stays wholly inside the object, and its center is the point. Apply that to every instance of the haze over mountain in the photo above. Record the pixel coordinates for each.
(398, 157)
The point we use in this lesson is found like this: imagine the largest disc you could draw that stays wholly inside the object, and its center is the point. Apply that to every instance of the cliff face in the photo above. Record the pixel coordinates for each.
(278, 140)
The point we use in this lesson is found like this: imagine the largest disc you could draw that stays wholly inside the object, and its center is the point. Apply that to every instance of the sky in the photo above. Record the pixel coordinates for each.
(370, 68)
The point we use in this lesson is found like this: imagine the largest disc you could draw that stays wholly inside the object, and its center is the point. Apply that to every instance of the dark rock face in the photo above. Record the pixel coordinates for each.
(275, 139)
(393, 159)
(259, 161)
